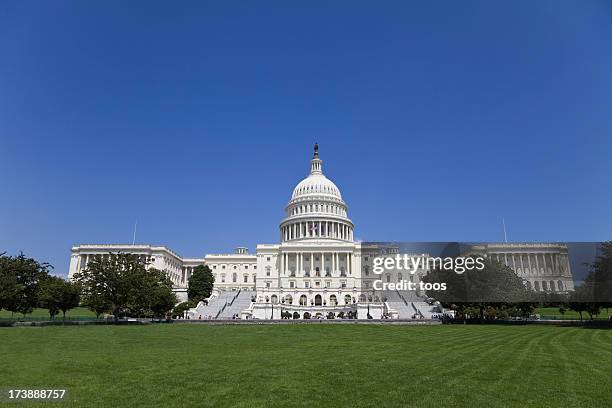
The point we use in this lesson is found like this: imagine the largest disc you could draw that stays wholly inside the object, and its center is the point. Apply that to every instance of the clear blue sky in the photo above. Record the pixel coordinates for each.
(435, 119)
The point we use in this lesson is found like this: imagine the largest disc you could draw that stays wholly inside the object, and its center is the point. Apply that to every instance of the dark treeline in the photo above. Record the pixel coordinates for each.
(496, 292)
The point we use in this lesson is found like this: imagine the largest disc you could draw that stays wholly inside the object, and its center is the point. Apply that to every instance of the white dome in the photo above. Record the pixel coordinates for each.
(316, 184)
(316, 209)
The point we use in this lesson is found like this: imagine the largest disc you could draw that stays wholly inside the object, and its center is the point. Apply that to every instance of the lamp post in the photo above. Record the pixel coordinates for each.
(282, 303)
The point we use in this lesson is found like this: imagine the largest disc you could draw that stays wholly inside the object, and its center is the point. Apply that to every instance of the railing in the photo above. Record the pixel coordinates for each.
(402, 297)
(234, 298)
(221, 310)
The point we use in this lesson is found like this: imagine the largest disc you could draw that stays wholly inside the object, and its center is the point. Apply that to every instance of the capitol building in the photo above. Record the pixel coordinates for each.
(317, 269)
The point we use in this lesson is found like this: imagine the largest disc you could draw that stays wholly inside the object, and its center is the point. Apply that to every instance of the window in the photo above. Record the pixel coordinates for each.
(366, 284)
(268, 258)
(328, 284)
(366, 270)
(306, 284)
(292, 284)
(234, 278)
(268, 284)
(222, 278)
(234, 266)
(214, 266)
(223, 267)
(254, 266)
(246, 278)
(268, 271)
(246, 266)
(343, 284)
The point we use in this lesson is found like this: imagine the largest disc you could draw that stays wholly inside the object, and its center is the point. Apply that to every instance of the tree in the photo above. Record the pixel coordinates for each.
(596, 290)
(20, 278)
(155, 297)
(200, 284)
(495, 291)
(122, 284)
(578, 301)
(57, 295)
(180, 309)
(599, 278)
(97, 303)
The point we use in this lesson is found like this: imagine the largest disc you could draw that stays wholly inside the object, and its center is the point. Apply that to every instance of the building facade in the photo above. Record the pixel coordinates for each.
(317, 268)
(544, 267)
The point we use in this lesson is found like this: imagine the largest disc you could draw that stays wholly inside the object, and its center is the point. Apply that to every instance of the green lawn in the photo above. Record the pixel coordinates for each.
(311, 365)
(553, 313)
(43, 314)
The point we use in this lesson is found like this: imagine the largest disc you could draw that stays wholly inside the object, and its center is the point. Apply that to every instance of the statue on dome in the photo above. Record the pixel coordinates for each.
(316, 149)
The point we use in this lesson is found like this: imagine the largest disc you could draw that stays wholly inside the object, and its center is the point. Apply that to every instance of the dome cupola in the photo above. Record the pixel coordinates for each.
(316, 209)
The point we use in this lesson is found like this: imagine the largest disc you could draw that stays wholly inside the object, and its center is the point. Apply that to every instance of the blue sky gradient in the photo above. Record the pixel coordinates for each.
(435, 119)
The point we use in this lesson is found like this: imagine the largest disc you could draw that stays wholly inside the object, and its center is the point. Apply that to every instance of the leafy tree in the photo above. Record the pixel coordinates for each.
(97, 303)
(57, 295)
(495, 291)
(599, 278)
(122, 284)
(20, 279)
(596, 290)
(181, 308)
(154, 297)
(578, 300)
(200, 284)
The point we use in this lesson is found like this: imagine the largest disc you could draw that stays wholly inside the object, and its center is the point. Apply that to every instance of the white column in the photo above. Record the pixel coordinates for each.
(529, 262)
(334, 263)
(311, 263)
(348, 263)
(350, 268)
(322, 263)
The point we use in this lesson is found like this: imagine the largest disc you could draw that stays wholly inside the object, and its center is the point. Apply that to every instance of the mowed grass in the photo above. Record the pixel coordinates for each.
(310, 365)
(554, 313)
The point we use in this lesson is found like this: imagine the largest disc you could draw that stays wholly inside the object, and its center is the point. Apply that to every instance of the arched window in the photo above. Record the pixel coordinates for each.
(303, 300)
(536, 285)
(333, 301)
(274, 299)
(528, 285)
(544, 286)
(560, 286)
(362, 298)
(347, 299)
(552, 285)
(318, 300)
(289, 299)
